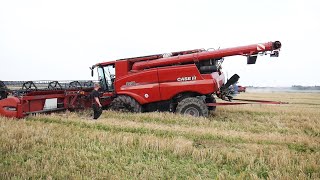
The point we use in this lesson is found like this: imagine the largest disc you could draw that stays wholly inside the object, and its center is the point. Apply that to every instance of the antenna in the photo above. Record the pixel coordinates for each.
(227, 75)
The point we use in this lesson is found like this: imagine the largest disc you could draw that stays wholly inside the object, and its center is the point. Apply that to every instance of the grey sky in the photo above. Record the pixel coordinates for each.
(60, 39)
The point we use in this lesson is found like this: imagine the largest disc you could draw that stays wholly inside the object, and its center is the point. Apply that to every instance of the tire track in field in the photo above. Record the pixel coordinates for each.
(170, 133)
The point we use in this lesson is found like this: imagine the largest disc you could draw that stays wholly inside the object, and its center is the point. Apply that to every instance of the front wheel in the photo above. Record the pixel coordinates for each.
(192, 106)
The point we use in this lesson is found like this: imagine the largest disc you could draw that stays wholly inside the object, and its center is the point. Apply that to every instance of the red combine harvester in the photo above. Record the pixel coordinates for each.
(184, 82)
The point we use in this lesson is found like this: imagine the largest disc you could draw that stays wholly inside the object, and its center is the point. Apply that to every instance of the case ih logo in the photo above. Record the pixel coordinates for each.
(190, 78)
(132, 83)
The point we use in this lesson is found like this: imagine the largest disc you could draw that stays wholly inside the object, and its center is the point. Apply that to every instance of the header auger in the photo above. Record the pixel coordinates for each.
(185, 82)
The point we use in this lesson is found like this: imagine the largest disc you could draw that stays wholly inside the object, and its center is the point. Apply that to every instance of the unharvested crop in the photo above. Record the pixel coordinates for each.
(246, 142)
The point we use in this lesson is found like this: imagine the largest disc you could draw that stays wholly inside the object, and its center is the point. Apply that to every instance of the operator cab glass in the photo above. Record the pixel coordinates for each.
(106, 77)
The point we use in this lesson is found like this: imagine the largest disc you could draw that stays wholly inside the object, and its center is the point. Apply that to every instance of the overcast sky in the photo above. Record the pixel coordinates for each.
(60, 39)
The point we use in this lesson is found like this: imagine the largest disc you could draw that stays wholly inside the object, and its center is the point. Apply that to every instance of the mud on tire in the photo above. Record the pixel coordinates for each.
(125, 104)
(211, 100)
(192, 106)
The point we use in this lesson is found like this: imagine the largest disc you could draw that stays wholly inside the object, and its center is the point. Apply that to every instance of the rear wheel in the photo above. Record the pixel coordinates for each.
(125, 104)
(192, 106)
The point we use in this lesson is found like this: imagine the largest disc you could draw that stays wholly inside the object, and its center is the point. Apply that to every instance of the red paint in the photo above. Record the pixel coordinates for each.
(7, 104)
(34, 101)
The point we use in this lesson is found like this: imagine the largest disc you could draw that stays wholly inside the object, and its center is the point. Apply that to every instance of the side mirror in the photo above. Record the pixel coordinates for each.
(91, 68)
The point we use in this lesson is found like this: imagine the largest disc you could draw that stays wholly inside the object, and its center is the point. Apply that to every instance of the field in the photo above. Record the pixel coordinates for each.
(238, 142)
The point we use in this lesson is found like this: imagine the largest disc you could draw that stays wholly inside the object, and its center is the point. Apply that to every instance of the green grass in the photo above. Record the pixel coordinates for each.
(239, 142)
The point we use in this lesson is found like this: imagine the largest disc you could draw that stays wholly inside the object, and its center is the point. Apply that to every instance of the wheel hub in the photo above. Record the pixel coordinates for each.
(192, 111)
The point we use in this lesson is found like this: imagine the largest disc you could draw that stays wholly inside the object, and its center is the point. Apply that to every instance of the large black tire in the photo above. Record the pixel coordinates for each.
(125, 104)
(192, 106)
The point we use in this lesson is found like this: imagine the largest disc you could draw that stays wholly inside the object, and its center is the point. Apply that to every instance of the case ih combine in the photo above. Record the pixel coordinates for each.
(184, 82)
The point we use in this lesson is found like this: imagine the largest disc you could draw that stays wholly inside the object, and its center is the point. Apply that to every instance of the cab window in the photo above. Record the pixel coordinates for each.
(106, 77)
